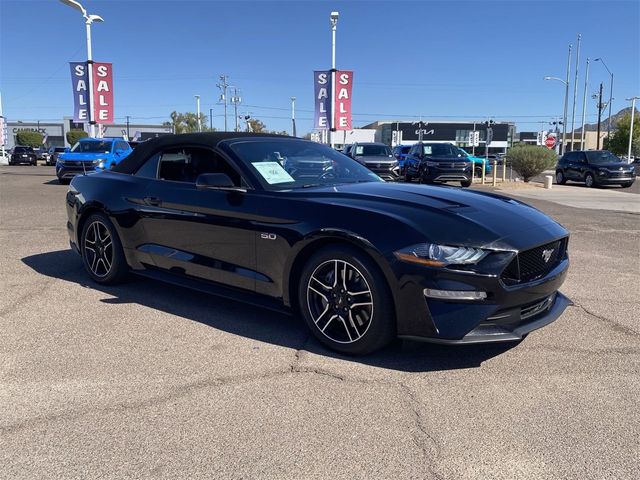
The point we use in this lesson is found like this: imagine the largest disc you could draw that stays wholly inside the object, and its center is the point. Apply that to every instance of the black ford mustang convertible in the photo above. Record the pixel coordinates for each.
(292, 224)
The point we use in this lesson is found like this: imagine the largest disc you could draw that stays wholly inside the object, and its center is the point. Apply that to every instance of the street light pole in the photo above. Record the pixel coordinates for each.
(334, 23)
(89, 19)
(584, 105)
(575, 95)
(566, 98)
(564, 118)
(211, 119)
(633, 111)
(198, 112)
(293, 115)
(610, 96)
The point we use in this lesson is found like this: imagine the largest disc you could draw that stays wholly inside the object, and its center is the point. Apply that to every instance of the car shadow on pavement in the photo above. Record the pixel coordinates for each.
(257, 323)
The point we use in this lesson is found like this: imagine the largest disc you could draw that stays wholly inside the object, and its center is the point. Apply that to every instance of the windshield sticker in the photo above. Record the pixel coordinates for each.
(273, 172)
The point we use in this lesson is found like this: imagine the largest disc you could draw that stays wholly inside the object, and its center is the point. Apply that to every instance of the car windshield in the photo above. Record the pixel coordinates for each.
(96, 146)
(373, 151)
(601, 157)
(22, 149)
(405, 149)
(285, 164)
(441, 150)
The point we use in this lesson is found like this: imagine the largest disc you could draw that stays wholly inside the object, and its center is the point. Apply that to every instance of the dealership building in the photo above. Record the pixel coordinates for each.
(55, 132)
(457, 133)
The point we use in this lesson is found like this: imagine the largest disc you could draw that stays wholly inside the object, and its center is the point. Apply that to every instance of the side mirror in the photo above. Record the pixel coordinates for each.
(215, 181)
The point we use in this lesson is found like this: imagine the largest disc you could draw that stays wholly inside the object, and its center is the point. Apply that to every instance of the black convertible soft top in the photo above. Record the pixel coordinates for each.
(209, 139)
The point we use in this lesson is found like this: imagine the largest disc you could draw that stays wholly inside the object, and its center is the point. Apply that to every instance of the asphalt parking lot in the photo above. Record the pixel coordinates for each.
(147, 380)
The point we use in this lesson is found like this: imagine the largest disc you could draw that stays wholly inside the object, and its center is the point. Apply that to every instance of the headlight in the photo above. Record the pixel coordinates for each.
(429, 163)
(101, 164)
(440, 255)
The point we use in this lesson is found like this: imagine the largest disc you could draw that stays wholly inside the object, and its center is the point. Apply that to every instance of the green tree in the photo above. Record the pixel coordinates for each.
(257, 126)
(619, 143)
(74, 135)
(29, 138)
(531, 160)
(187, 122)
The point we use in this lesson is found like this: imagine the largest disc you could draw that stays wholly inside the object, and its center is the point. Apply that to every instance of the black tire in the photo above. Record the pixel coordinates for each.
(353, 325)
(466, 183)
(560, 178)
(626, 184)
(589, 180)
(102, 253)
(408, 178)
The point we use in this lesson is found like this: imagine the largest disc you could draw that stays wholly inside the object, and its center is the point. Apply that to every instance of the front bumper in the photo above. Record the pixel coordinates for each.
(509, 325)
(439, 174)
(611, 180)
(20, 159)
(70, 171)
(386, 172)
(508, 312)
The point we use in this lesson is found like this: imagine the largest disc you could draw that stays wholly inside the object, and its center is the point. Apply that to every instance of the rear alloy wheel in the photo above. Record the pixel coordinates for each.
(346, 302)
(589, 181)
(102, 253)
(560, 180)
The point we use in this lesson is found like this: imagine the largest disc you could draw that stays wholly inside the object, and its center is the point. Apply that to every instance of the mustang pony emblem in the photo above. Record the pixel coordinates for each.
(546, 255)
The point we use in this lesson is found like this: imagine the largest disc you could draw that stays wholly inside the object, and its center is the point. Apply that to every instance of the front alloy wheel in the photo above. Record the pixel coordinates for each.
(340, 301)
(560, 180)
(346, 302)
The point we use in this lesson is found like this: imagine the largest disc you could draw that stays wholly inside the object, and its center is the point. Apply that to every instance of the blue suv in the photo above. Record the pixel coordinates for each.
(91, 155)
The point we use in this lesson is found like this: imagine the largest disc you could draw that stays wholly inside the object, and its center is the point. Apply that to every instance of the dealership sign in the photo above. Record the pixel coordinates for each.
(101, 96)
(342, 100)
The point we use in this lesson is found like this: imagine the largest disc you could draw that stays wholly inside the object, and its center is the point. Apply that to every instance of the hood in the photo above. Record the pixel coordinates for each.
(449, 215)
(82, 157)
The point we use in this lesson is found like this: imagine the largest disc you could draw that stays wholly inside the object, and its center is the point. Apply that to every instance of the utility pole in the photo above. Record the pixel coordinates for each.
(601, 60)
(293, 115)
(211, 119)
(2, 136)
(575, 94)
(584, 105)
(223, 86)
(236, 100)
(633, 111)
(198, 112)
(128, 136)
(599, 115)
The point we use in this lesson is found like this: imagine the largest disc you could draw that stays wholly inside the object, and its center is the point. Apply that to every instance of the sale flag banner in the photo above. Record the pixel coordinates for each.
(80, 84)
(103, 92)
(342, 102)
(322, 101)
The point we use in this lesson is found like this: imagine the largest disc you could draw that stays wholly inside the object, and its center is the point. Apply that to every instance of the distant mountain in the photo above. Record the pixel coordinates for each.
(593, 127)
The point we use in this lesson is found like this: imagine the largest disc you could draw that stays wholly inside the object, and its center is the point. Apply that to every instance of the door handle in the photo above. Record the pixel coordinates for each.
(153, 201)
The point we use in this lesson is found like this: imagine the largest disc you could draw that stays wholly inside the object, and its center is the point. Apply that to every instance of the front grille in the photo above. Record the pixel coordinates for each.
(535, 263)
(452, 164)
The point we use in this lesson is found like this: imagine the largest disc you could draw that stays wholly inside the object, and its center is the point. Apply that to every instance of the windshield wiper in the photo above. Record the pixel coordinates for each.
(309, 185)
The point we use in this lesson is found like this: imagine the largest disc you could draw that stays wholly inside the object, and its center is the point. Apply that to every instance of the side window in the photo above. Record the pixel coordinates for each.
(122, 146)
(580, 157)
(149, 169)
(186, 164)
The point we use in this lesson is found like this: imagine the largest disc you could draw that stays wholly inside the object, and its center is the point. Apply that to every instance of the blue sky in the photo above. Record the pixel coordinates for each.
(441, 60)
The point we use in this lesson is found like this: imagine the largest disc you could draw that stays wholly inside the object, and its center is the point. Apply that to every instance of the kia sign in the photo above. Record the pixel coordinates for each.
(80, 84)
(321, 88)
(103, 92)
(342, 106)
